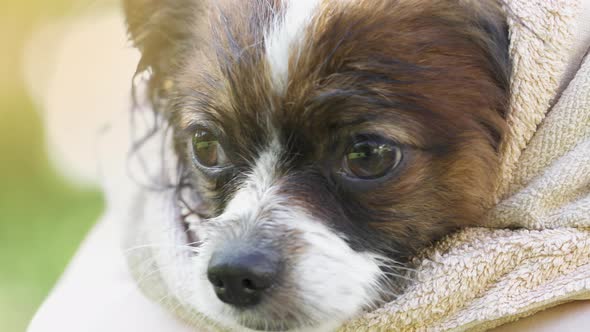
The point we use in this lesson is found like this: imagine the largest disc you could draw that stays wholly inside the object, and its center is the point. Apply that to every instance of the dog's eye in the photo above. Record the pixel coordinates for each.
(207, 150)
(371, 158)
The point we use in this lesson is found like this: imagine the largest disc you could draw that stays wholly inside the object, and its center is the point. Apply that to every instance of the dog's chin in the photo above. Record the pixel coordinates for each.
(259, 320)
(258, 323)
(268, 326)
(279, 326)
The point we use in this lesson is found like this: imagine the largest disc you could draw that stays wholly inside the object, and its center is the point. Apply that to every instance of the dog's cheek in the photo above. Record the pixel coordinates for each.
(472, 174)
(347, 280)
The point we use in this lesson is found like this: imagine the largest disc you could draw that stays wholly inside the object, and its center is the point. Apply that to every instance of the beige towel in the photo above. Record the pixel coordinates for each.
(483, 277)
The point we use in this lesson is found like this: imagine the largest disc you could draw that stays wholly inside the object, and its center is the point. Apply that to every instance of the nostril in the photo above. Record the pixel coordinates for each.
(216, 282)
(248, 286)
(247, 283)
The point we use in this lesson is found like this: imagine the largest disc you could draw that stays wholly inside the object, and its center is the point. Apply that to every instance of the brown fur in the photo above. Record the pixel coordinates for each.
(428, 74)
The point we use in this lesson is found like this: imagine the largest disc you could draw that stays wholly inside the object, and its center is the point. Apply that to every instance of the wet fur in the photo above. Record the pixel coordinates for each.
(431, 75)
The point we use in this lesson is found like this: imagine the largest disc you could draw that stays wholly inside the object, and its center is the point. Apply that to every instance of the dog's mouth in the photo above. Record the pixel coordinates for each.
(189, 223)
(275, 326)
(188, 209)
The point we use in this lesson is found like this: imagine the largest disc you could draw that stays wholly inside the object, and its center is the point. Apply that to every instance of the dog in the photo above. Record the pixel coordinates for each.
(321, 144)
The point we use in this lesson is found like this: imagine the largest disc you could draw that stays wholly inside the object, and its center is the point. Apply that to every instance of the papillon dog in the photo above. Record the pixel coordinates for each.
(322, 145)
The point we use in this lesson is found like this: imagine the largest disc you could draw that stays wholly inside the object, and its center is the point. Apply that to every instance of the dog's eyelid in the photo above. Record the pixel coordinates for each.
(192, 127)
(361, 136)
(216, 130)
(214, 171)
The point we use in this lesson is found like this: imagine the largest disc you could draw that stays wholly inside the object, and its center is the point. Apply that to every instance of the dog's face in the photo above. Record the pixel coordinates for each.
(327, 142)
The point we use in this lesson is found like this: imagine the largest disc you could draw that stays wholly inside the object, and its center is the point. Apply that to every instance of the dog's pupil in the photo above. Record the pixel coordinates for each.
(205, 148)
(368, 159)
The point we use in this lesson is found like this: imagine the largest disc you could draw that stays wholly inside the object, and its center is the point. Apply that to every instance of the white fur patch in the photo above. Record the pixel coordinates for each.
(284, 37)
(258, 189)
(335, 281)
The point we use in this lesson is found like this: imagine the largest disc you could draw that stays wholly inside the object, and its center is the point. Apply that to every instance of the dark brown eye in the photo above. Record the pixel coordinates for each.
(371, 158)
(206, 149)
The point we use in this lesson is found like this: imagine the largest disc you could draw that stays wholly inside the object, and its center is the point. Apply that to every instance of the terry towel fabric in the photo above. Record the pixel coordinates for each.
(534, 252)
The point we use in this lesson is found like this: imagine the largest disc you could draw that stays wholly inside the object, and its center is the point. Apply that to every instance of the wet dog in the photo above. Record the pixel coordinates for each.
(322, 144)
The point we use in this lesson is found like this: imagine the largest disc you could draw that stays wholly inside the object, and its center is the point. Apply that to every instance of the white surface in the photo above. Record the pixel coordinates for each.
(97, 293)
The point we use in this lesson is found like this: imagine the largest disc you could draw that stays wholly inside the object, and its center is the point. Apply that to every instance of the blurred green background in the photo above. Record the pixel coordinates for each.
(43, 218)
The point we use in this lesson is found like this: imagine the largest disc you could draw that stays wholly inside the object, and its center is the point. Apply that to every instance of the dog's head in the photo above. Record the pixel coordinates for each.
(327, 141)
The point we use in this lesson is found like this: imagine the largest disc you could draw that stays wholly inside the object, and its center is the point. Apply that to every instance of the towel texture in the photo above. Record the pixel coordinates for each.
(483, 277)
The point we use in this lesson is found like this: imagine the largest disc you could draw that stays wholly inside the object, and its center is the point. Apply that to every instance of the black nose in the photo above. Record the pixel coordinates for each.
(241, 276)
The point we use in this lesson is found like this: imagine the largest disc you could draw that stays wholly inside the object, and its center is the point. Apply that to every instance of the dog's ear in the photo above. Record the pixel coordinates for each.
(157, 27)
(161, 30)
(491, 20)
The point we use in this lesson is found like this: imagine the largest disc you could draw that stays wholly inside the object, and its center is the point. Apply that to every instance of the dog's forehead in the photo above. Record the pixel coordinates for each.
(284, 38)
(255, 79)
(276, 67)
(304, 69)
